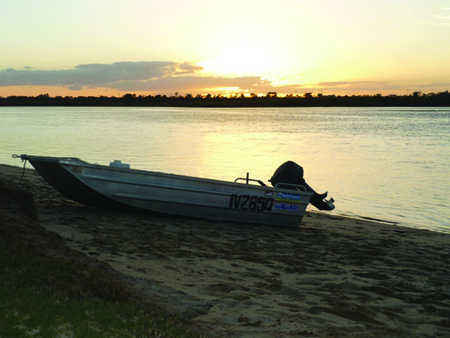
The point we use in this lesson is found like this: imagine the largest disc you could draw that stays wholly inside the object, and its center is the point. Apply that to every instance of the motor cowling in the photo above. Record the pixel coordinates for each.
(292, 174)
(289, 172)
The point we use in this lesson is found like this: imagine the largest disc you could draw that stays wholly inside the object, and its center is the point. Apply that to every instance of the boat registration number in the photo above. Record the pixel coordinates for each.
(248, 202)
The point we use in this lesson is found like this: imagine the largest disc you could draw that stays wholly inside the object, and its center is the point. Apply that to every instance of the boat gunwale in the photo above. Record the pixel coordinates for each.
(84, 164)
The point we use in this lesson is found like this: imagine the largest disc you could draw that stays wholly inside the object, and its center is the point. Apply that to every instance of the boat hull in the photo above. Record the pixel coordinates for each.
(139, 190)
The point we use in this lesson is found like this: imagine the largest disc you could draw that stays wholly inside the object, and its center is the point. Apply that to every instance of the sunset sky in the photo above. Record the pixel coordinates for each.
(113, 47)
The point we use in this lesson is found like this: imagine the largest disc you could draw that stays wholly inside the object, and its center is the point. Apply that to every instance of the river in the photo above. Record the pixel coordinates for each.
(391, 164)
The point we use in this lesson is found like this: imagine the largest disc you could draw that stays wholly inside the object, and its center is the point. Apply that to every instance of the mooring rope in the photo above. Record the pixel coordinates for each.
(24, 160)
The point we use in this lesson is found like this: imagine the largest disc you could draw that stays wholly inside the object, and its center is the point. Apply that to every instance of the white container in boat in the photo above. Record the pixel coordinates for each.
(119, 164)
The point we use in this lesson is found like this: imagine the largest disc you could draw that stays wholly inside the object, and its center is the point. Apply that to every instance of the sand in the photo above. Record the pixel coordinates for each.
(333, 277)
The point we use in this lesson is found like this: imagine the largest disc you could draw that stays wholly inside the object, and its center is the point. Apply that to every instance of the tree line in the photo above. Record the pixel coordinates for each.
(271, 99)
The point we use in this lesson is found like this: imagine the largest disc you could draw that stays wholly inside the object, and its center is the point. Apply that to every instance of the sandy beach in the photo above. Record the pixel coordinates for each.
(333, 277)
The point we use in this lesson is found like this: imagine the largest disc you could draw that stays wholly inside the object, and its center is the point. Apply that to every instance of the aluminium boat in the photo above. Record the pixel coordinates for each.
(117, 186)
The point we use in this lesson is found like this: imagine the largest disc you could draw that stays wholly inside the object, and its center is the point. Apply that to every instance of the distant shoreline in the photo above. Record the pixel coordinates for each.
(417, 99)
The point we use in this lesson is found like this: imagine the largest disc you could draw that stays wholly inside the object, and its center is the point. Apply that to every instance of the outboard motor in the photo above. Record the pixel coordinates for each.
(292, 174)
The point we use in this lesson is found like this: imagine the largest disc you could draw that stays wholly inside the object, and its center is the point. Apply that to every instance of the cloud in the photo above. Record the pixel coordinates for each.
(442, 17)
(167, 77)
(152, 76)
(127, 76)
(193, 83)
(96, 74)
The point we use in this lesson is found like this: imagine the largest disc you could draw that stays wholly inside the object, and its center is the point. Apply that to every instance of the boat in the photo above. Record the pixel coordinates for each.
(117, 186)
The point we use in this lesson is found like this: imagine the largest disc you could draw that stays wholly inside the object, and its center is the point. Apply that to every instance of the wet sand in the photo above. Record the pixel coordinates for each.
(334, 276)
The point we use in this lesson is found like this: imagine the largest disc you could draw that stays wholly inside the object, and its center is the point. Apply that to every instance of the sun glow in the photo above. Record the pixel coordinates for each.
(246, 58)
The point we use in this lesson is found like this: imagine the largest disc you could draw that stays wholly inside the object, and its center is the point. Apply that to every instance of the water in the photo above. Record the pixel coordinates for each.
(391, 164)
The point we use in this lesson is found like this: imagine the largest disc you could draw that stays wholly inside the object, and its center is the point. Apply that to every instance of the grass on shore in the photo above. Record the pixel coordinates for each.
(48, 296)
